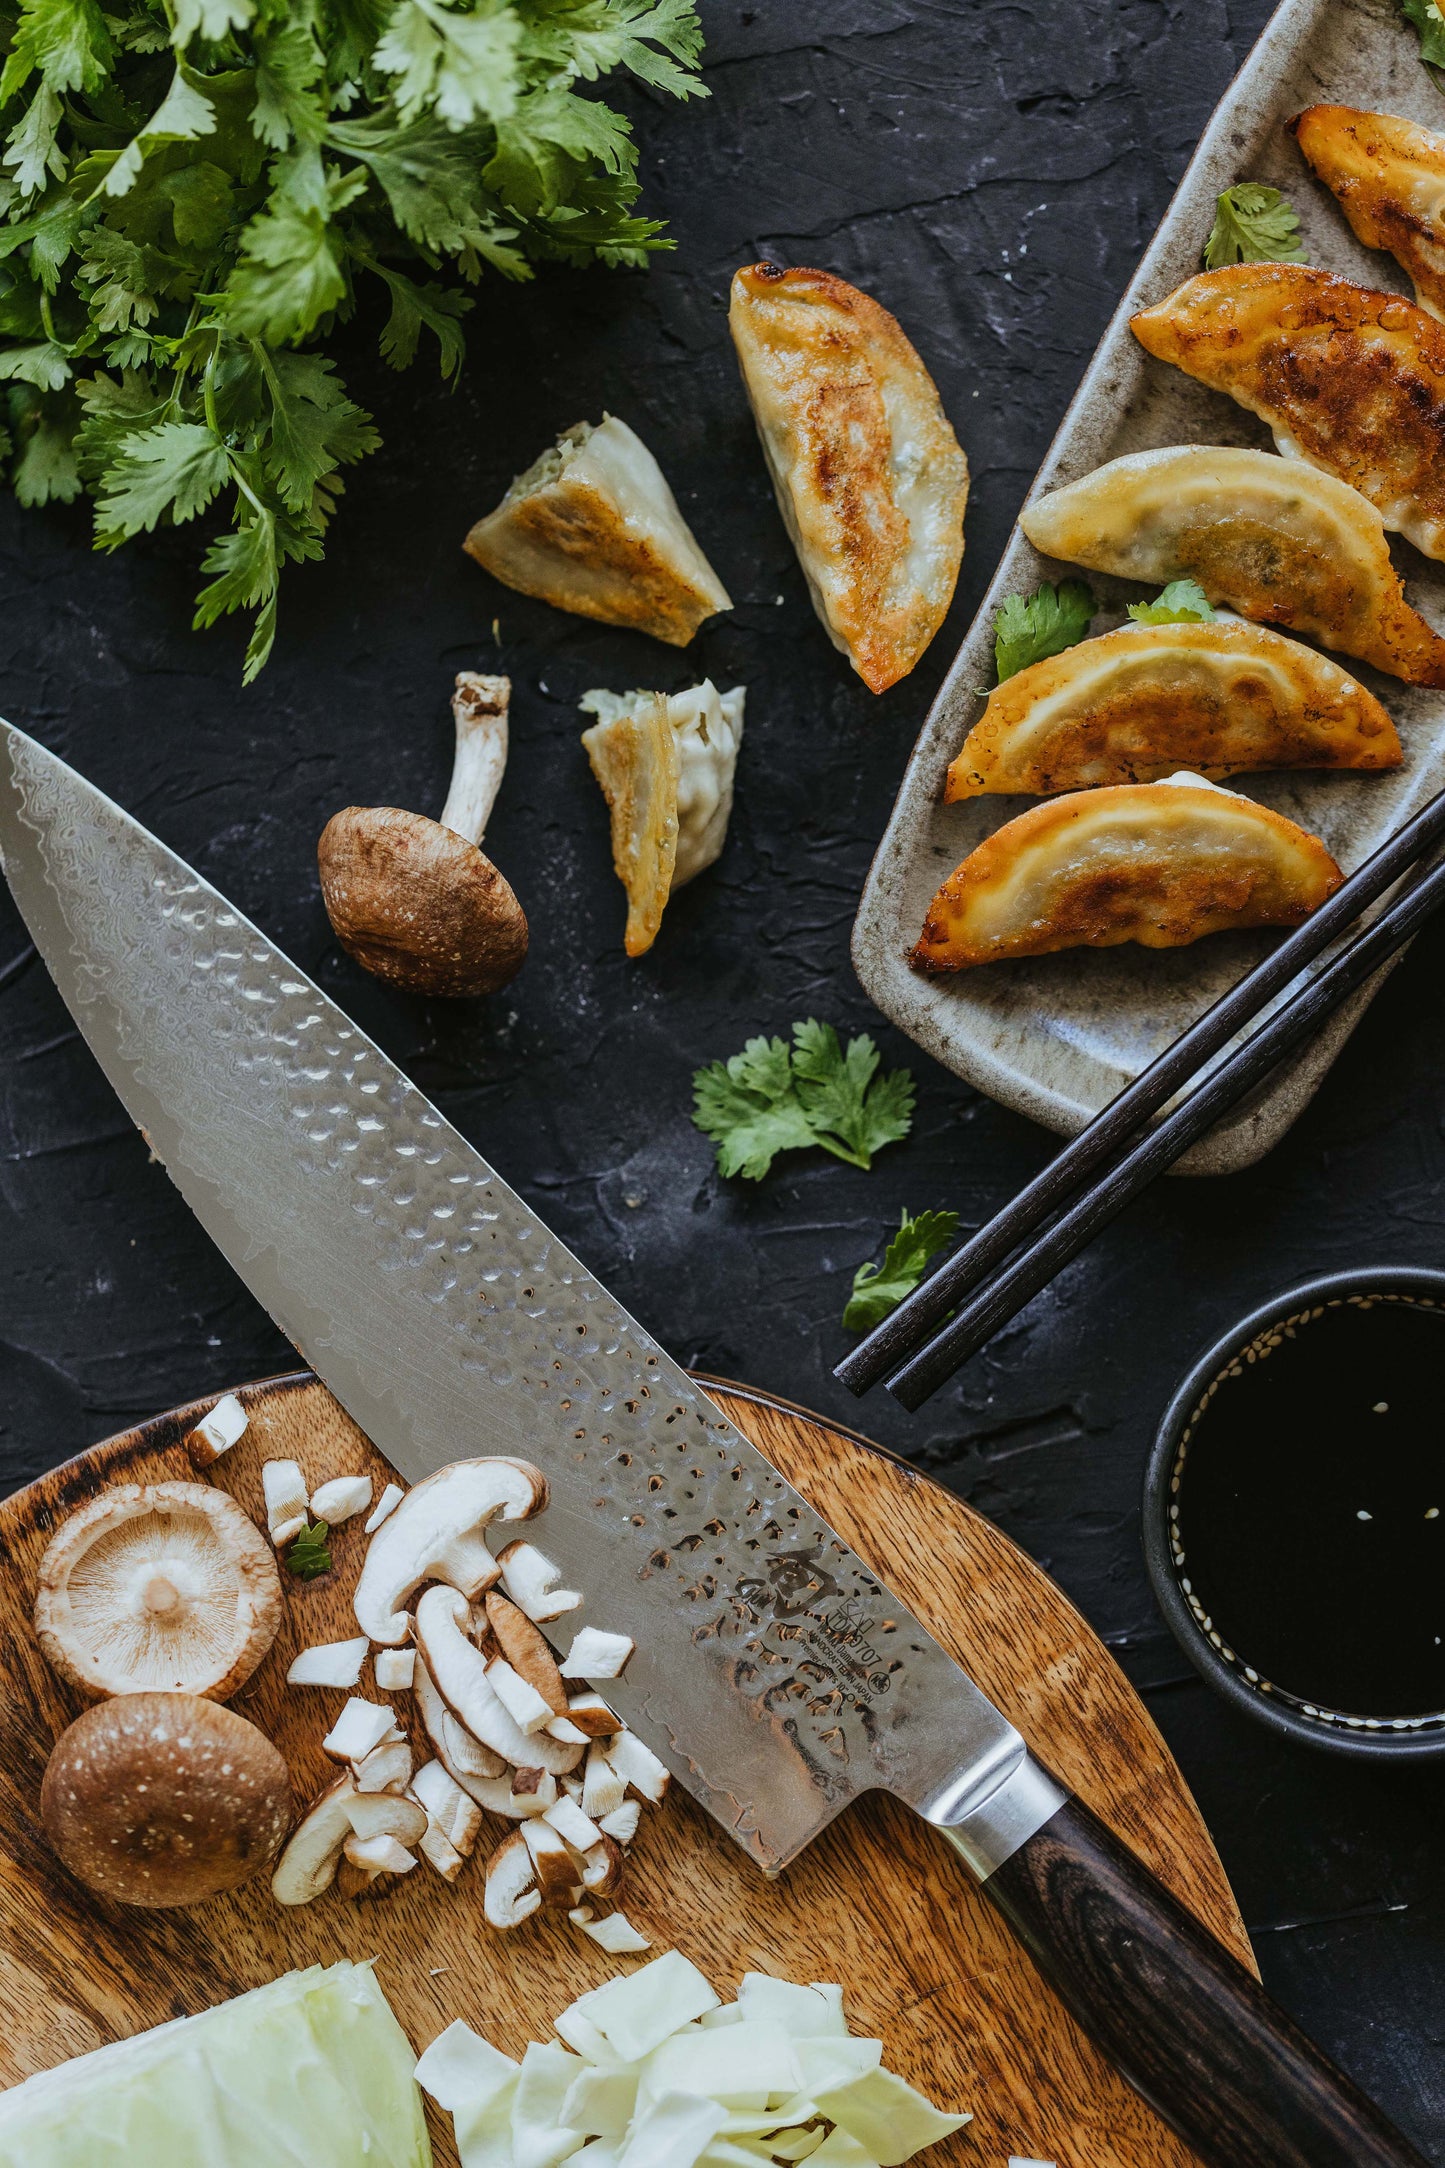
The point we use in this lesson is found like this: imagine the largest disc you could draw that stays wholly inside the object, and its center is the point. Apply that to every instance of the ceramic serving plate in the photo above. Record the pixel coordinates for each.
(1058, 1036)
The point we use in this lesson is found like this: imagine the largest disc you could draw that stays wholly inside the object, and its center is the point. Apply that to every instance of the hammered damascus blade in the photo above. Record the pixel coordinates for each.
(773, 1673)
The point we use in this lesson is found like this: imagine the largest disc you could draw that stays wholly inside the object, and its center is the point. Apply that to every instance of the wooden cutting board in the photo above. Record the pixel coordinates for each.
(878, 1902)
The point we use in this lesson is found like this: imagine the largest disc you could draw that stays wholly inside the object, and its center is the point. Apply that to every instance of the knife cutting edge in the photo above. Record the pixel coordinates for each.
(774, 1673)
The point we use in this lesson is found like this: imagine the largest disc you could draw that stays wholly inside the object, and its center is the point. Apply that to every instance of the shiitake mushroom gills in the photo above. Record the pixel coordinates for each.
(164, 1799)
(1311, 1511)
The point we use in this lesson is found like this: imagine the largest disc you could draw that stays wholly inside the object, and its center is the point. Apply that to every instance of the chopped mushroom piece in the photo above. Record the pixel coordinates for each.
(381, 1854)
(622, 1822)
(602, 1867)
(453, 1820)
(286, 1501)
(597, 1655)
(460, 1754)
(639, 1766)
(520, 1699)
(615, 1934)
(562, 1727)
(160, 1587)
(217, 1432)
(308, 1864)
(512, 1894)
(526, 1651)
(591, 1715)
(435, 1534)
(417, 902)
(330, 1663)
(569, 1821)
(361, 1726)
(387, 1768)
(387, 1503)
(603, 1788)
(395, 1669)
(341, 1499)
(459, 1671)
(530, 1579)
(559, 1875)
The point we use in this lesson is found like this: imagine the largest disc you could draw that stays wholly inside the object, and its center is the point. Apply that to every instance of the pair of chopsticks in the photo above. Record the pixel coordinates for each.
(1000, 1269)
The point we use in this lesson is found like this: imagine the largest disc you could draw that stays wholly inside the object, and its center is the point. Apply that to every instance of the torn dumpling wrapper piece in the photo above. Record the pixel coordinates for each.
(666, 765)
(592, 527)
(870, 478)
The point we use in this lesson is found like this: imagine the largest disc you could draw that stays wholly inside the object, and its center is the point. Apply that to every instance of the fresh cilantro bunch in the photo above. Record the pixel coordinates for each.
(1253, 224)
(1030, 628)
(775, 1098)
(878, 1289)
(1182, 602)
(194, 192)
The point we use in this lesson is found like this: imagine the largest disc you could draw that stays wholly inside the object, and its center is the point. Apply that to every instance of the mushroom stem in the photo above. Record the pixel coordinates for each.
(160, 1595)
(479, 706)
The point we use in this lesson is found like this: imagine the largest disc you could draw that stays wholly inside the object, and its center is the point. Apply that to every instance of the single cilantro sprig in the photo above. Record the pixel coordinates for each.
(774, 1098)
(1430, 24)
(1030, 628)
(1182, 602)
(1253, 223)
(309, 1557)
(194, 194)
(878, 1289)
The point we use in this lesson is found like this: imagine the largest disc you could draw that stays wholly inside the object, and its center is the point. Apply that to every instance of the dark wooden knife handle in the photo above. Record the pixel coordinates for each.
(1187, 2025)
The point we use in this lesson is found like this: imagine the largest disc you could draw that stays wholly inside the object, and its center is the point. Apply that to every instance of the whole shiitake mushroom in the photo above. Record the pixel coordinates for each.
(164, 1799)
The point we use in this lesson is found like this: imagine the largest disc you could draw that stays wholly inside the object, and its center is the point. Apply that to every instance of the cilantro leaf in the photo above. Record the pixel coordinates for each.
(1430, 24)
(878, 1289)
(1182, 602)
(1253, 224)
(308, 1557)
(461, 64)
(1030, 628)
(172, 471)
(774, 1098)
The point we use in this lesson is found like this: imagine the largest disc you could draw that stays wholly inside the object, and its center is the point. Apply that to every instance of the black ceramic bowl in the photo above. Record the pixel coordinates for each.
(1362, 1734)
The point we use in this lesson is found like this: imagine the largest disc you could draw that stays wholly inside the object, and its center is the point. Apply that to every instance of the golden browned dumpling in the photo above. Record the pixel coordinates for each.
(1349, 379)
(1279, 541)
(1132, 706)
(593, 527)
(870, 478)
(1157, 863)
(1390, 178)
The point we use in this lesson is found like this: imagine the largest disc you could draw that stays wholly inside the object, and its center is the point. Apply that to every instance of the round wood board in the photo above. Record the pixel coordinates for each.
(877, 1902)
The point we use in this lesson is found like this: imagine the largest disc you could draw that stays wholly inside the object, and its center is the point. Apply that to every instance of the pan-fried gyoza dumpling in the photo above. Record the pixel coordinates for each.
(1132, 706)
(666, 766)
(1157, 863)
(1390, 178)
(870, 478)
(1279, 541)
(593, 527)
(1351, 380)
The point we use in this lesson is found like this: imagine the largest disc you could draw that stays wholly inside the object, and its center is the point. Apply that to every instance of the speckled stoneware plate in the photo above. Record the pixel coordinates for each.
(1057, 1036)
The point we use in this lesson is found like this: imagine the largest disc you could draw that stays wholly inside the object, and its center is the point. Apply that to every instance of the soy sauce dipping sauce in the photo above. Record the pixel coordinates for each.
(1311, 1510)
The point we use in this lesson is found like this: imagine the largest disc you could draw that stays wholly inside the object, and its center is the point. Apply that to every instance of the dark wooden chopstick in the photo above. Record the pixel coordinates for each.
(900, 1338)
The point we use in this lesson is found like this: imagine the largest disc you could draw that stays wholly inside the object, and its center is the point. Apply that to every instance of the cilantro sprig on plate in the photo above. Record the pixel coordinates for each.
(1182, 602)
(194, 193)
(775, 1098)
(878, 1289)
(1253, 223)
(1030, 628)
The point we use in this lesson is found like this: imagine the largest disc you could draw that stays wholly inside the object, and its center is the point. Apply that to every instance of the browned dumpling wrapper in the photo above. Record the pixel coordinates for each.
(1349, 379)
(1390, 178)
(1133, 706)
(1158, 863)
(634, 757)
(592, 527)
(871, 480)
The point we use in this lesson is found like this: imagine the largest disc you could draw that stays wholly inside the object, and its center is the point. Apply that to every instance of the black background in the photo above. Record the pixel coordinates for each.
(991, 170)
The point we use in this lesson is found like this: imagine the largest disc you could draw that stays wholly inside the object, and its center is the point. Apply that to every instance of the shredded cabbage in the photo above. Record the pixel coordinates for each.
(312, 2071)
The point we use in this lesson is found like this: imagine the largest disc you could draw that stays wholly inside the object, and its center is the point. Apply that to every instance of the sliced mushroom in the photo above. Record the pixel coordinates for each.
(341, 1499)
(164, 1799)
(512, 1894)
(371, 1866)
(523, 1704)
(417, 902)
(603, 1788)
(596, 1655)
(459, 1671)
(387, 1768)
(591, 1715)
(161, 1587)
(562, 1728)
(638, 1766)
(435, 1534)
(530, 1579)
(385, 1505)
(361, 1726)
(395, 1669)
(330, 1663)
(284, 1487)
(602, 1867)
(458, 1752)
(217, 1432)
(526, 1650)
(569, 1821)
(622, 1822)
(453, 1820)
(559, 1875)
(308, 1864)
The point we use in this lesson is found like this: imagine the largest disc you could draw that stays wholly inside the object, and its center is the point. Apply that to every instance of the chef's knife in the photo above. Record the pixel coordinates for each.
(774, 1673)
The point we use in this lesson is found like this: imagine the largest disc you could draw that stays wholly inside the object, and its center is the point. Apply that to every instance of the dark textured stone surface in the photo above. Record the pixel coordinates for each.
(990, 169)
